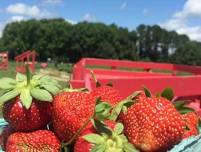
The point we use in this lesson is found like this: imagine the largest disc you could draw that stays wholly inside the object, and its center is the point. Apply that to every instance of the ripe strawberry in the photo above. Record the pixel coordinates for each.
(90, 139)
(6, 132)
(70, 111)
(27, 101)
(191, 119)
(41, 140)
(21, 119)
(81, 145)
(152, 124)
(107, 94)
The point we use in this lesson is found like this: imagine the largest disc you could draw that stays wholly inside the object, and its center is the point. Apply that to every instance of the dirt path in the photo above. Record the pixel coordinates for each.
(56, 74)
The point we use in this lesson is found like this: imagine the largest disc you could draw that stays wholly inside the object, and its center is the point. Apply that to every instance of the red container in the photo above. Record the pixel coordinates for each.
(129, 76)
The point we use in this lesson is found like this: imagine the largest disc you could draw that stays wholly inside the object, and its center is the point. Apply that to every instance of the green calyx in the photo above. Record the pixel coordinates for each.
(27, 87)
(182, 108)
(116, 141)
(102, 109)
(123, 106)
(166, 93)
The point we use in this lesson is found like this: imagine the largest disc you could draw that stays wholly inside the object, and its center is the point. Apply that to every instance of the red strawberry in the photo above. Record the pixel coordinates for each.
(89, 138)
(191, 120)
(70, 111)
(153, 124)
(26, 101)
(41, 140)
(22, 119)
(6, 132)
(81, 145)
(107, 94)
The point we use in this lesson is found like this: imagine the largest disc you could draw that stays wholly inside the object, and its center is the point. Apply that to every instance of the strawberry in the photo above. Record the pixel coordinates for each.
(152, 124)
(191, 120)
(92, 140)
(27, 101)
(107, 94)
(81, 145)
(21, 119)
(41, 140)
(70, 111)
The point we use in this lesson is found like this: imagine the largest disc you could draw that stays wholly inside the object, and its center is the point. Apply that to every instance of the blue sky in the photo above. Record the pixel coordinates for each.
(180, 15)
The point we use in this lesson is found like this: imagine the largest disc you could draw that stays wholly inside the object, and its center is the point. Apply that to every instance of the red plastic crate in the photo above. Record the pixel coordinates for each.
(185, 87)
(27, 57)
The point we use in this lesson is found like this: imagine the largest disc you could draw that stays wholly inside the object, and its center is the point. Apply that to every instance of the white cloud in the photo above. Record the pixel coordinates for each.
(31, 11)
(191, 8)
(11, 19)
(89, 18)
(123, 6)
(71, 21)
(179, 21)
(52, 1)
(17, 18)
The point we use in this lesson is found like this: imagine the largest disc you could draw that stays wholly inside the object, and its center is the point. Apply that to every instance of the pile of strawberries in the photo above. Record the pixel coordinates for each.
(43, 117)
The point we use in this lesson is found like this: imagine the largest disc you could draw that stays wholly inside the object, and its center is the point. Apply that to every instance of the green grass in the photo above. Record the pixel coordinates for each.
(178, 73)
(10, 72)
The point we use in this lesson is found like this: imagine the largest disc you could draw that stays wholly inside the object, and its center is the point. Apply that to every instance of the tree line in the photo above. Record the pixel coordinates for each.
(64, 42)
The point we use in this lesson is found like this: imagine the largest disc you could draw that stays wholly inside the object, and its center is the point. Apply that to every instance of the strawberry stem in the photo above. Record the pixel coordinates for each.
(79, 131)
(95, 79)
(28, 74)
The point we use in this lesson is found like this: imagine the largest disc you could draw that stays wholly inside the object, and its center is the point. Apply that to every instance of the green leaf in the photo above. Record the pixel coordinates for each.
(128, 103)
(102, 106)
(118, 128)
(123, 138)
(147, 92)
(115, 112)
(7, 83)
(37, 77)
(178, 104)
(124, 110)
(9, 95)
(2, 92)
(102, 109)
(168, 94)
(125, 104)
(41, 94)
(134, 95)
(101, 127)
(26, 98)
(99, 148)
(48, 80)
(20, 77)
(130, 148)
(51, 88)
(94, 138)
(184, 110)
